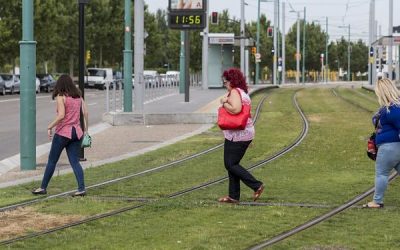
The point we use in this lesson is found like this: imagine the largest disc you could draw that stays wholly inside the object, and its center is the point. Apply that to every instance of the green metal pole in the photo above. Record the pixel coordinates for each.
(182, 75)
(304, 47)
(258, 44)
(128, 58)
(27, 90)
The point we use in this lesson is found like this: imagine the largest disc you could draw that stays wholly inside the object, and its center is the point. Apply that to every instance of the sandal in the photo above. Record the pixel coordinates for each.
(39, 191)
(258, 193)
(79, 193)
(227, 199)
(373, 205)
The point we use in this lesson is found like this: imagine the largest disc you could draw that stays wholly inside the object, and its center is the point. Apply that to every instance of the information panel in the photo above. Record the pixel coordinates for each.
(187, 14)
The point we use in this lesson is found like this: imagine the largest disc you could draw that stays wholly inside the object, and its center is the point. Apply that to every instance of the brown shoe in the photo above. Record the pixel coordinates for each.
(258, 193)
(227, 199)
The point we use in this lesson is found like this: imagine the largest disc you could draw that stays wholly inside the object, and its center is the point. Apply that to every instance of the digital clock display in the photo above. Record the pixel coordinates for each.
(186, 20)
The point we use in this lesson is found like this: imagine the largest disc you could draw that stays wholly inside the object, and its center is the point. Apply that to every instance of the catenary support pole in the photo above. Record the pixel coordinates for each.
(242, 35)
(27, 90)
(349, 59)
(370, 41)
(182, 70)
(390, 47)
(139, 57)
(275, 47)
(373, 35)
(278, 51)
(326, 53)
(304, 48)
(298, 49)
(204, 77)
(258, 44)
(128, 58)
(187, 63)
(283, 44)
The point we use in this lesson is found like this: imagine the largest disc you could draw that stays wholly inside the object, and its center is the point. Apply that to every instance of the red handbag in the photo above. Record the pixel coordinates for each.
(228, 121)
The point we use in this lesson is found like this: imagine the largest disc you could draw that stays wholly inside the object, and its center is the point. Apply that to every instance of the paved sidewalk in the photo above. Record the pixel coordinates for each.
(114, 143)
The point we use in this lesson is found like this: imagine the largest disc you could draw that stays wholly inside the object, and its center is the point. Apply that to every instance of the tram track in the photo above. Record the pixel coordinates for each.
(276, 155)
(129, 176)
(327, 215)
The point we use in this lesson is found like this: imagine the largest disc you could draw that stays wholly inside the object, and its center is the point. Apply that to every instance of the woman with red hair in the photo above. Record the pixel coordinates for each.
(237, 141)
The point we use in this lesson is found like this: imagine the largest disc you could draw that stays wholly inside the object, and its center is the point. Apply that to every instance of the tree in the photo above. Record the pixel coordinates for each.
(10, 30)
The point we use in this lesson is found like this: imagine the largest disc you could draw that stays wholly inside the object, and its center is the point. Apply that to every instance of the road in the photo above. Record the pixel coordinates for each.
(45, 113)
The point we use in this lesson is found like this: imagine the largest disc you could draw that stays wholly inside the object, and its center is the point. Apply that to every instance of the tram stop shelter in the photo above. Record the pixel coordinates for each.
(220, 56)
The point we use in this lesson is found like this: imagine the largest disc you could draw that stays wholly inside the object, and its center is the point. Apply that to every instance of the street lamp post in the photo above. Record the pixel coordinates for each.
(258, 42)
(298, 45)
(326, 49)
(81, 58)
(348, 52)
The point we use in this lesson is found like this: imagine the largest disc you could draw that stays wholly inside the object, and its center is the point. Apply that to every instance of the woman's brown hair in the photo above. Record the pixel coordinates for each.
(65, 87)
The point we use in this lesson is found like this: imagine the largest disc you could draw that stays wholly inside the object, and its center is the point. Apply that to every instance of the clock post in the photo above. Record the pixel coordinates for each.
(186, 15)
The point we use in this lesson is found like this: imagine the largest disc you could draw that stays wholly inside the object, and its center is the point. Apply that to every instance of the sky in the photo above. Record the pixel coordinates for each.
(339, 13)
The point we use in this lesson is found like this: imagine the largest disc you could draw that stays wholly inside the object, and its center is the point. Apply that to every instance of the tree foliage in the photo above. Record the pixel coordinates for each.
(56, 33)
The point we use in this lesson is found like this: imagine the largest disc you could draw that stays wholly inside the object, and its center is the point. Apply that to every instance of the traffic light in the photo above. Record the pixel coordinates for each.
(253, 50)
(270, 32)
(371, 51)
(87, 56)
(214, 17)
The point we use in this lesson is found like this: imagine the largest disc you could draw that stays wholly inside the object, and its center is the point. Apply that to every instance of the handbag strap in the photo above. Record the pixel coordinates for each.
(240, 94)
(83, 114)
(377, 120)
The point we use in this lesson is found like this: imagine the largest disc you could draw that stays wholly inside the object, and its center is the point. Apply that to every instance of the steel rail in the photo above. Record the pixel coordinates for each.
(327, 215)
(115, 180)
(296, 142)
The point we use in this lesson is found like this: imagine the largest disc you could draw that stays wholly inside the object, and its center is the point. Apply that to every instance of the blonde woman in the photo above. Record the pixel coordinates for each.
(387, 138)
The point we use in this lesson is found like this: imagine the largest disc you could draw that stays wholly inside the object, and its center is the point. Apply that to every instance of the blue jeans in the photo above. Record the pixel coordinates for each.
(388, 158)
(72, 146)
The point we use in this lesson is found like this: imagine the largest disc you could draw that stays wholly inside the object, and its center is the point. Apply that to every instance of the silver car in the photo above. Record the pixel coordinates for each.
(2, 86)
(11, 83)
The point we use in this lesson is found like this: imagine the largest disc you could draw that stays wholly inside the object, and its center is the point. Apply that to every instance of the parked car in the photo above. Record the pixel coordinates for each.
(99, 77)
(11, 83)
(47, 82)
(152, 78)
(118, 79)
(37, 84)
(173, 77)
(2, 86)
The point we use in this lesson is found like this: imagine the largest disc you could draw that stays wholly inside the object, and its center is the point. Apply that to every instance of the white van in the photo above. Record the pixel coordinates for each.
(99, 78)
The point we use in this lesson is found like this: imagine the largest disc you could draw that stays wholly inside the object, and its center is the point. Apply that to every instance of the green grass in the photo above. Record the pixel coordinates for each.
(329, 167)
